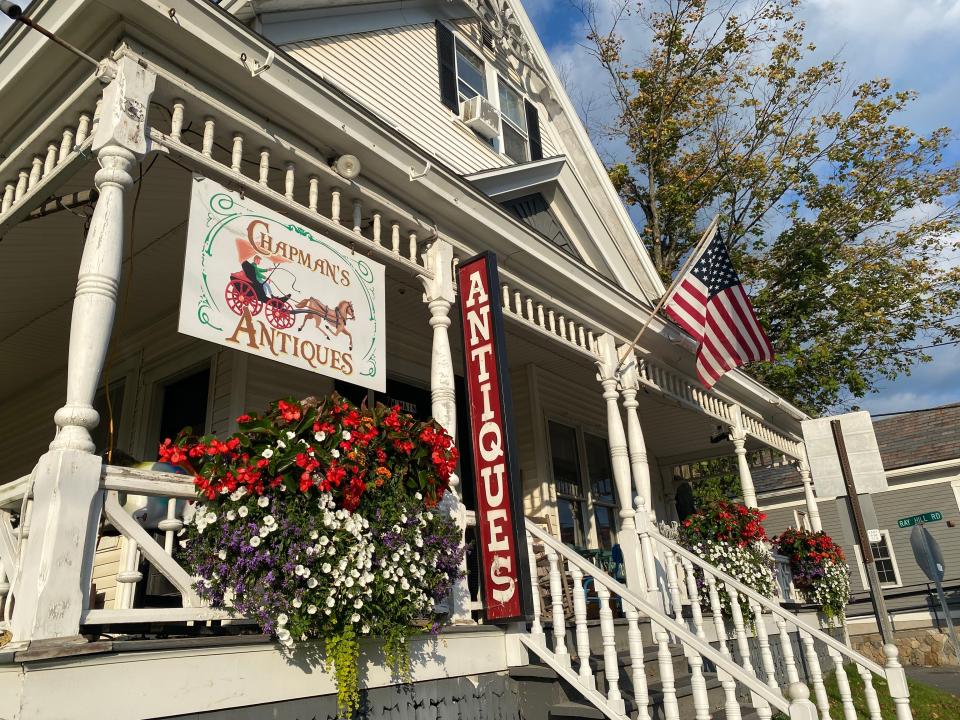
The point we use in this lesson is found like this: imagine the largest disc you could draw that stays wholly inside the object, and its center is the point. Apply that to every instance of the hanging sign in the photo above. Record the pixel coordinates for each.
(503, 547)
(866, 467)
(259, 282)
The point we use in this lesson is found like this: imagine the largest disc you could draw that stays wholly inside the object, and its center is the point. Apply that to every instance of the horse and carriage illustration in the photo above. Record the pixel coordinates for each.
(251, 289)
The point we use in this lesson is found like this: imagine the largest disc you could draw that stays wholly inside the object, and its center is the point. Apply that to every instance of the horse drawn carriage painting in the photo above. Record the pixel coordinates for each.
(261, 283)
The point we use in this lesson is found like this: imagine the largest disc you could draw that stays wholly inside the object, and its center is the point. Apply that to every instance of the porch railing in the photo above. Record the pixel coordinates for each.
(16, 506)
(744, 603)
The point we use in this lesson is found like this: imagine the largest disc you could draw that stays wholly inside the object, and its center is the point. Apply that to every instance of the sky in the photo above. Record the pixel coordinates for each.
(913, 42)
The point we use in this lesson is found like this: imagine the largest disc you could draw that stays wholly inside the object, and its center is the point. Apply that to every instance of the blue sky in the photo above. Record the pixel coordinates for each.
(914, 42)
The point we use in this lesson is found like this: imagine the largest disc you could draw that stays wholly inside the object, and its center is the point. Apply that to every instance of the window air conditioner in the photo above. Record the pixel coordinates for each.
(481, 116)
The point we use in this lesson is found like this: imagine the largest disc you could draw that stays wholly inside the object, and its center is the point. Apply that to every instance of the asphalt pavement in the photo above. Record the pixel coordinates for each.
(942, 678)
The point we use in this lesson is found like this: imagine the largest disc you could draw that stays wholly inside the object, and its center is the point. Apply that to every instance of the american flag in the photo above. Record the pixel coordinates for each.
(709, 302)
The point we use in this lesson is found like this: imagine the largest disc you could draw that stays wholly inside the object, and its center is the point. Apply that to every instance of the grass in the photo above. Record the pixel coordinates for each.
(927, 703)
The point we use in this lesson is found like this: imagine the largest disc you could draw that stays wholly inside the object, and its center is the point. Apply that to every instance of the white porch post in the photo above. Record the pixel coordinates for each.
(738, 436)
(57, 558)
(620, 463)
(813, 512)
(439, 294)
(646, 516)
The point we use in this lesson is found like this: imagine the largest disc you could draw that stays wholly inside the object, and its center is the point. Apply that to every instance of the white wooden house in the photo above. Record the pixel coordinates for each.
(466, 142)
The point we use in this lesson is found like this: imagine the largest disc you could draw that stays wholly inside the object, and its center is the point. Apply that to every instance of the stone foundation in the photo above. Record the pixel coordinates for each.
(919, 648)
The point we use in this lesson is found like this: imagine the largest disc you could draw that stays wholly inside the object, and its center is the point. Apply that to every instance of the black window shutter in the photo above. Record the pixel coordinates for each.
(446, 56)
(533, 130)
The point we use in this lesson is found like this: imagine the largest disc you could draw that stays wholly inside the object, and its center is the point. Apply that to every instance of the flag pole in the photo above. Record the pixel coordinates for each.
(704, 240)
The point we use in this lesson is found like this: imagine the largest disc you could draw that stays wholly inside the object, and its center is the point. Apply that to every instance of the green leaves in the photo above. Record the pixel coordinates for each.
(841, 219)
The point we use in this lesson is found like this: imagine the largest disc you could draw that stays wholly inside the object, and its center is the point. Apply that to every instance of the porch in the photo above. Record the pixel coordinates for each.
(589, 476)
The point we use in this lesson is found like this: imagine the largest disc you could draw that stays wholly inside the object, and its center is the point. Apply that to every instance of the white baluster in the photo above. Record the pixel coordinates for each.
(611, 668)
(36, 171)
(96, 115)
(673, 588)
(843, 686)
(505, 297)
(66, 145)
(51, 160)
(236, 153)
(170, 525)
(897, 683)
(176, 119)
(671, 710)
(739, 628)
(357, 214)
(288, 179)
(517, 307)
(335, 204)
(395, 238)
(591, 340)
(698, 684)
(530, 315)
(376, 228)
(129, 576)
(816, 677)
(582, 339)
(313, 194)
(763, 641)
(556, 602)
(562, 323)
(641, 694)
(573, 331)
(536, 627)
(731, 704)
(869, 694)
(553, 321)
(541, 321)
(786, 648)
(83, 128)
(580, 626)
(8, 194)
(412, 239)
(4, 591)
(264, 167)
(209, 125)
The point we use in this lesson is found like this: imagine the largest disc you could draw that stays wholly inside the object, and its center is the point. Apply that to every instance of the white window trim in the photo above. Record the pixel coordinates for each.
(893, 560)
(458, 41)
(525, 134)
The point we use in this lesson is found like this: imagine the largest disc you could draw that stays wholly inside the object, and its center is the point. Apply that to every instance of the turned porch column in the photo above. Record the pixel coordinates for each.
(620, 463)
(630, 386)
(58, 556)
(439, 295)
(813, 512)
(738, 436)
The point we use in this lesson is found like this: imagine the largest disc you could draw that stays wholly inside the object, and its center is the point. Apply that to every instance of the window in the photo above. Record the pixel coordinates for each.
(565, 462)
(885, 560)
(471, 80)
(184, 404)
(513, 124)
(601, 489)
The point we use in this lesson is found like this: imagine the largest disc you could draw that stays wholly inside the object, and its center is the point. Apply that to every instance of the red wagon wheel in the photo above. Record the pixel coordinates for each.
(279, 314)
(240, 294)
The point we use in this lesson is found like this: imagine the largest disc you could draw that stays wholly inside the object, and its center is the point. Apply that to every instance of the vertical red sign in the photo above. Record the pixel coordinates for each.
(503, 548)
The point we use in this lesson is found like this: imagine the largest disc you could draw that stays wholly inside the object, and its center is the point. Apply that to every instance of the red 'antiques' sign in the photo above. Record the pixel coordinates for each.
(499, 512)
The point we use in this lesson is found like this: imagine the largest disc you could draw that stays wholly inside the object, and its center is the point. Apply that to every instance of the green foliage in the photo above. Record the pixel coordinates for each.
(927, 702)
(838, 216)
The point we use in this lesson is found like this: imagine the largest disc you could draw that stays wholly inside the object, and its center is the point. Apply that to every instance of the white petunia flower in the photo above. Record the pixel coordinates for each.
(263, 501)
(269, 520)
(311, 609)
(242, 511)
(331, 602)
(312, 583)
(297, 602)
(326, 567)
(222, 554)
(355, 618)
(291, 435)
(255, 541)
(346, 434)
(267, 453)
(314, 535)
(298, 570)
(320, 436)
(281, 444)
(211, 517)
(358, 603)
(231, 515)
(335, 453)
(282, 619)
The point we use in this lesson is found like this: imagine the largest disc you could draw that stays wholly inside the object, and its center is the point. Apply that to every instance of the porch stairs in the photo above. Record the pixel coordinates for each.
(664, 659)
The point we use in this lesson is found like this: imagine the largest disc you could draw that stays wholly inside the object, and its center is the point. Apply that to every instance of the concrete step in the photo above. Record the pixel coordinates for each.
(573, 710)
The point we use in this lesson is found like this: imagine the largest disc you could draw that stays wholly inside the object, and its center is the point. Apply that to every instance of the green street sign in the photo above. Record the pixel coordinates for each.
(925, 518)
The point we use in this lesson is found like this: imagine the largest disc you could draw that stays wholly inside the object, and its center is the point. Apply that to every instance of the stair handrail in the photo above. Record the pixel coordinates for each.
(771, 605)
(679, 631)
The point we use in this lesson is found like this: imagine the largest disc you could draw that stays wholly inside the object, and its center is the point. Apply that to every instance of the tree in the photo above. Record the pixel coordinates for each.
(840, 219)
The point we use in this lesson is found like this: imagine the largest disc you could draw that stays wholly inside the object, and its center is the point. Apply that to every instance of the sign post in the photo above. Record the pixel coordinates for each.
(930, 559)
(876, 593)
(500, 520)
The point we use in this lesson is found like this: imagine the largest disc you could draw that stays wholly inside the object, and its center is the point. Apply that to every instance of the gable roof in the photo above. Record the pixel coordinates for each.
(908, 439)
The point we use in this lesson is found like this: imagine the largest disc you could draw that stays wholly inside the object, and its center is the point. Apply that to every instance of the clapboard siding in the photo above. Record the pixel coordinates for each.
(268, 381)
(394, 72)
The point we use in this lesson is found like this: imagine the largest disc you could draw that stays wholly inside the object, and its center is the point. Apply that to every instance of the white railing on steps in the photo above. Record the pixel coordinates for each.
(565, 563)
(16, 506)
(699, 573)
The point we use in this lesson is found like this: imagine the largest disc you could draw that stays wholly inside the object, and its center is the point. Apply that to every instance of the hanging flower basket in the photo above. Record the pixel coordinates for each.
(319, 520)
(731, 537)
(819, 569)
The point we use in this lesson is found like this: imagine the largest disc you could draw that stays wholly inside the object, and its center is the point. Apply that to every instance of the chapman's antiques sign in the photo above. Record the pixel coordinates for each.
(499, 511)
(258, 282)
